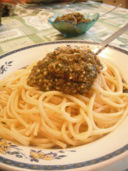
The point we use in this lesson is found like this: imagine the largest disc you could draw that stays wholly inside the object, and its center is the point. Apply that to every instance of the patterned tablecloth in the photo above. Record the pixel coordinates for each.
(30, 25)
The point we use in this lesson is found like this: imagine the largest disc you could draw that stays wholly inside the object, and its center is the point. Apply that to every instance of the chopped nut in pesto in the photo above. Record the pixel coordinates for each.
(66, 69)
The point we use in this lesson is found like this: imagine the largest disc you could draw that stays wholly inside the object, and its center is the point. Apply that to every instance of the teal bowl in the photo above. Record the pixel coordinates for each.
(69, 29)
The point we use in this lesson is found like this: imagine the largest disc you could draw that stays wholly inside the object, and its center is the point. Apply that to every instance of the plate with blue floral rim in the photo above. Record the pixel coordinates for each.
(99, 153)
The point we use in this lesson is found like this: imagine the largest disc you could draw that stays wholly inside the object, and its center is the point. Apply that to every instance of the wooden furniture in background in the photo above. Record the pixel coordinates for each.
(124, 3)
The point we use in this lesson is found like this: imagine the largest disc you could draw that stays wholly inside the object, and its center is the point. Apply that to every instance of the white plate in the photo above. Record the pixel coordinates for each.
(97, 154)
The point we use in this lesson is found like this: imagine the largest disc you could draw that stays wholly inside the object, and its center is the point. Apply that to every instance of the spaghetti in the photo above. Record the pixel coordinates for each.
(53, 119)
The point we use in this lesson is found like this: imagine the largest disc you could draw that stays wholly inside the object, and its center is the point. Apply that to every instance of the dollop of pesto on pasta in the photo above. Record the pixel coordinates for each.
(66, 69)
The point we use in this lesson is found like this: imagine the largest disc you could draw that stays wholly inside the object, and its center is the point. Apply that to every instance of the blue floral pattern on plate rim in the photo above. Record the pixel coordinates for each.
(55, 155)
(63, 167)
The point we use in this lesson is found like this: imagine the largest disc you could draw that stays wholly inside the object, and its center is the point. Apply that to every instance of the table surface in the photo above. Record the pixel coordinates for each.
(30, 26)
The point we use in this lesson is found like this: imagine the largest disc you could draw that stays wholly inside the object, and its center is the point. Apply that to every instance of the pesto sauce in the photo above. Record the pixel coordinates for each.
(74, 17)
(66, 69)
